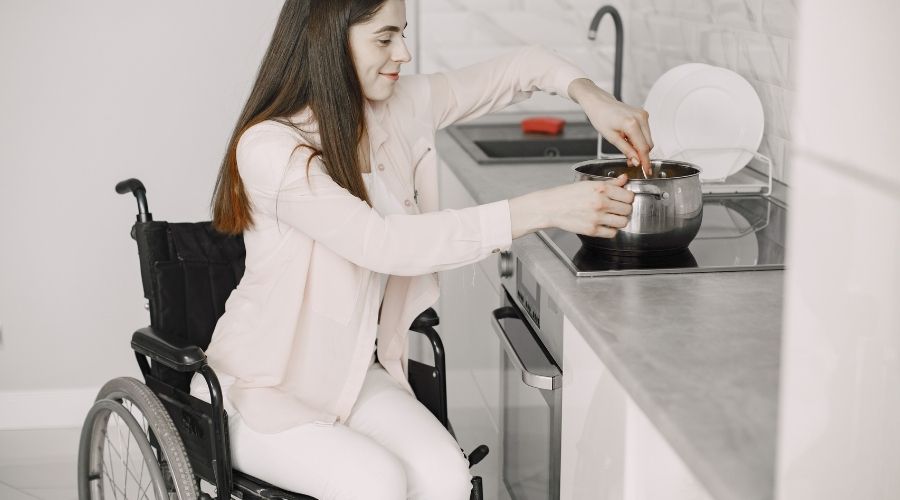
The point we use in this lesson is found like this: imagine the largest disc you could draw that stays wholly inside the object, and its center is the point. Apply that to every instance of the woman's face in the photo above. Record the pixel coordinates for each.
(379, 48)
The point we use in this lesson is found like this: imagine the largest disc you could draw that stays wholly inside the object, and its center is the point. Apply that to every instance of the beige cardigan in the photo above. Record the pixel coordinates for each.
(298, 331)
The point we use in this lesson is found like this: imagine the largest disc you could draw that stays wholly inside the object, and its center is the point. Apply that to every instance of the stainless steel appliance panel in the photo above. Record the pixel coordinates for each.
(532, 404)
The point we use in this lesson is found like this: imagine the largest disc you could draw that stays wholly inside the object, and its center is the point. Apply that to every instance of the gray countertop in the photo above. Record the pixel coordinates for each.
(698, 353)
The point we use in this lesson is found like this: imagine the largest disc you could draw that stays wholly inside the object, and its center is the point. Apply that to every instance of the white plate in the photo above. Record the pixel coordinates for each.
(664, 83)
(711, 109)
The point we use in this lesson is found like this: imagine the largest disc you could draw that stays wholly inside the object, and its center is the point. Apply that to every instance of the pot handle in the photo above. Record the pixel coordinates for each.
(650, 190)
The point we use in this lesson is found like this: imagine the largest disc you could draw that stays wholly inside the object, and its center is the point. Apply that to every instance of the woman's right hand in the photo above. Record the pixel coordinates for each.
(591, 208)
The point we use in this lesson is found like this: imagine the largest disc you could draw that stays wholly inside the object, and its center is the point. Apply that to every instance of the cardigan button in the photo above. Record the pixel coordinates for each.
(407, 203)
(380, 166)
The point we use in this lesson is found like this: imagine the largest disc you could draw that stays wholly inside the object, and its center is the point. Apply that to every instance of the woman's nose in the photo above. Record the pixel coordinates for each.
(401, 53)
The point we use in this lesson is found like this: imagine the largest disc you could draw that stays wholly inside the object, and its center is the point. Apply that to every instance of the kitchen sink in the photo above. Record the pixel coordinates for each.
(506, 143)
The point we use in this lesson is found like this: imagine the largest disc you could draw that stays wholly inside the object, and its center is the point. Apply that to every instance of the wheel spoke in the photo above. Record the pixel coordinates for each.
(138, 415)
(107, 475)
(144, 491)
(130, 473)
(109, 471)
(115, 437)
(144, 424)
(145, 427)
(112, 483)
(127, 469)
(107, 460)
(98, 475)
(127, 416)
(143, 468)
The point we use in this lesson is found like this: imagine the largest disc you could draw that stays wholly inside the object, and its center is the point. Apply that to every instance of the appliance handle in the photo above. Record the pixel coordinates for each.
(538, 372)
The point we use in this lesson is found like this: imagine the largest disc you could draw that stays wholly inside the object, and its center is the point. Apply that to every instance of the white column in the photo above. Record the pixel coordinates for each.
(840, 394)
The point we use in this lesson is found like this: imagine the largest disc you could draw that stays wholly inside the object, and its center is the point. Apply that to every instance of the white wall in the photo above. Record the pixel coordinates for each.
(92, 93)
(840, 399)
(455, 33)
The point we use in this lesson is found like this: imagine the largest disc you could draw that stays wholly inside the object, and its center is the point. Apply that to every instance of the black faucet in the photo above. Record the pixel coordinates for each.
(606, 147)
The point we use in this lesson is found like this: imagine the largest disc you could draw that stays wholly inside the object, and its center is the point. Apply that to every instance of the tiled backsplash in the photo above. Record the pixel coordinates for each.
(753, 37)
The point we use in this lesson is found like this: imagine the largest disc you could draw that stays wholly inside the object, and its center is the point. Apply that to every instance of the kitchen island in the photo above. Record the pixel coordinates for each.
(698, 353)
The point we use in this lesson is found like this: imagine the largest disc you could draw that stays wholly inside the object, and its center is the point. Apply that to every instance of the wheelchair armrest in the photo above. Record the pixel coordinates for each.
(153, 343)
(428, 318)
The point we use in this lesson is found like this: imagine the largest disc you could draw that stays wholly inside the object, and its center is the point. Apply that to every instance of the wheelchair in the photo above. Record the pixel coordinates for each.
(153, 439)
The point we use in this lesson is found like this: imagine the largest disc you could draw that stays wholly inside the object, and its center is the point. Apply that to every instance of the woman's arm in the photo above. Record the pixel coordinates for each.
(586, 207)
(481, 88)
(275, 175)
(274, 172)
(626, 127)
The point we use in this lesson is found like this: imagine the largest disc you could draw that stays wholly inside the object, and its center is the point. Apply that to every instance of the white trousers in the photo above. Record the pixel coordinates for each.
(390, 448)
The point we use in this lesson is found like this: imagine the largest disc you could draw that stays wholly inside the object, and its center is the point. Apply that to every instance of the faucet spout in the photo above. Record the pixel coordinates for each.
(592, 35)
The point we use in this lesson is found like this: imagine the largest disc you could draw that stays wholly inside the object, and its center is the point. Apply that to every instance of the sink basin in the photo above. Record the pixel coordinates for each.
(506, 143)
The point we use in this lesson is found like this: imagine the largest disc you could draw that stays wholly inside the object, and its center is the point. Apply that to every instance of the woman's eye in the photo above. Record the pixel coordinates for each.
(384, 43)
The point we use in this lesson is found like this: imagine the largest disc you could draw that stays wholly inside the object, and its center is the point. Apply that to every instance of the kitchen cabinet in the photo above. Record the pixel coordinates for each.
(473, 352)
(610, 450)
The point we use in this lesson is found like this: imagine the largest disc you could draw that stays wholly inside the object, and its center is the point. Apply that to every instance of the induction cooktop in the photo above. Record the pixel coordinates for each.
(738, 233)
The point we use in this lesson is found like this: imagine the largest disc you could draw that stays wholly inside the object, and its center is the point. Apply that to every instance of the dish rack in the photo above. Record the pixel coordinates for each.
(742, 181)
(742, 226)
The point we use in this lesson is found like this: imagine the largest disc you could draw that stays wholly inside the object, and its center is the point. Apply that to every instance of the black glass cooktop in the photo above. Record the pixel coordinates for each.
(739, 233)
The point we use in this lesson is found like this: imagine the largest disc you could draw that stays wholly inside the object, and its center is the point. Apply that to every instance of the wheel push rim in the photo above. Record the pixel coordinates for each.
(122, 463)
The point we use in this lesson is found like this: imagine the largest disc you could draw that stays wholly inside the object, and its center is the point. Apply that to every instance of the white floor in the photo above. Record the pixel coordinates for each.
(38, 464)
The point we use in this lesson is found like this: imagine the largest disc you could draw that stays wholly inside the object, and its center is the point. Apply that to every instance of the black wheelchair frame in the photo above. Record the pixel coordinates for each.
(187, 272)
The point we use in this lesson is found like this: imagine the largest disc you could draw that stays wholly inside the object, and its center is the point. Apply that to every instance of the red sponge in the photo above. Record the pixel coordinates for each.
(543, 125)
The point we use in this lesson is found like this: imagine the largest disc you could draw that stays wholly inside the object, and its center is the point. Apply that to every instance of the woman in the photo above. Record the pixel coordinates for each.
(331, 178)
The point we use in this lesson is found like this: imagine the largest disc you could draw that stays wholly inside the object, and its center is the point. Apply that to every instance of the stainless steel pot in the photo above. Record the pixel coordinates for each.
(668, 207)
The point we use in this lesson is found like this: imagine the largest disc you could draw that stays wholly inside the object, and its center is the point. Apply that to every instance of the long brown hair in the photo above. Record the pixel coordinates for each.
(308, 64)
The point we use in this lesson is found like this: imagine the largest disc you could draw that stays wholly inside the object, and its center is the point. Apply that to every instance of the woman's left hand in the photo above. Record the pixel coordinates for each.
(626, 127)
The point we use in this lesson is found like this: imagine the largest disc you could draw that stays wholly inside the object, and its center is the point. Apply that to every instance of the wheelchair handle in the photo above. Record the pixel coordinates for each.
(136, 187)
(478, 454)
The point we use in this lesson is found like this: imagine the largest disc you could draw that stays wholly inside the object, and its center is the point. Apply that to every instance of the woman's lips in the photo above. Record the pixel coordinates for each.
(391, 76)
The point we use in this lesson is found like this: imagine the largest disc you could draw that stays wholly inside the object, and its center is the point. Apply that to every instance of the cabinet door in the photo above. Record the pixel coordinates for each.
(592, 454)
(653, 468)
(610, 450)
(468, 296)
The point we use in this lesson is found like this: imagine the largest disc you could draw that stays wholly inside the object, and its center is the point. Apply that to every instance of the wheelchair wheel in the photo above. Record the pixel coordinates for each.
(130, 449)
